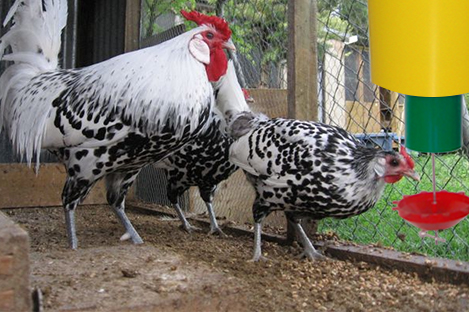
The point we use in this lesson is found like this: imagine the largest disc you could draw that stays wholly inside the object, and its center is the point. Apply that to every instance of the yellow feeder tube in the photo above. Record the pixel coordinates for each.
(420, 47)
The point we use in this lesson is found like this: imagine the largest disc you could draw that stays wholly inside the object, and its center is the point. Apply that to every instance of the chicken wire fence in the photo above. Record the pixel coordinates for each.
(346, 98)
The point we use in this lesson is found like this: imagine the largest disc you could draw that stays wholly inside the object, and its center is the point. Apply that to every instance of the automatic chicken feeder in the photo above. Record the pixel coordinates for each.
(417, 48)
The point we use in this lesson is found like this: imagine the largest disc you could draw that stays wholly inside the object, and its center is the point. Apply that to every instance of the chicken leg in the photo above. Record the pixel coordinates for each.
(70, 225)
(185, 224)
(214, 228)
(130, 231)
(257, 243)
(73, 193)
(207, 195)
(308, 249)
(117, 185)
(437, 239)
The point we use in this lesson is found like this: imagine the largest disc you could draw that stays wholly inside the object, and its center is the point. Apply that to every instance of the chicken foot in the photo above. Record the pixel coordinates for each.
(185, 224)
(308, 249)
(130, 231)
(214, 228)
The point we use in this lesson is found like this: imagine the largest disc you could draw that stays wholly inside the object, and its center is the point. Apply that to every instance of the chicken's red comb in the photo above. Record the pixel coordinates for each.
(247, 96)
(200, 19)
(407, 157)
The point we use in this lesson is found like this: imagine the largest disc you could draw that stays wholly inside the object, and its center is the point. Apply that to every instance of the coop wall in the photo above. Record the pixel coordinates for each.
(20, 186)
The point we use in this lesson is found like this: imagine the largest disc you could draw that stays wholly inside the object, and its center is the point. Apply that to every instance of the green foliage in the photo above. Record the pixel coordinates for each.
(383, 226)
(330, 26)
(262, 27)
(152, 9)
(338, 19)
(259, 24)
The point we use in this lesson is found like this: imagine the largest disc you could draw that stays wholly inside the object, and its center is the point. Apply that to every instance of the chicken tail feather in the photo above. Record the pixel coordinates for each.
(33, 44)
(35, 32)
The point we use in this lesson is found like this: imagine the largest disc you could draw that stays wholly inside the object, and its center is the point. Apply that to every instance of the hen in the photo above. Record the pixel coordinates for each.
(204, 162)
(310, 169)
(110, 119)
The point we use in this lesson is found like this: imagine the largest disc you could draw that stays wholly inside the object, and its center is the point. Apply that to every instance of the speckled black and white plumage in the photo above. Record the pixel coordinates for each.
(204, 162)
(106, 120)
(310, 169)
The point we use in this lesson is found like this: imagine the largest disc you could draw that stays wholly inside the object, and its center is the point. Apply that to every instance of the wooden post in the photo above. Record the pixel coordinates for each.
(302, 72)
(132, 25)
(302, 60)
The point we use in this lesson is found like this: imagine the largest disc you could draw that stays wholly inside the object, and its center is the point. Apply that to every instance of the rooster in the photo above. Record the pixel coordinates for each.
(204, 162)
(110, 119)
(310, 169)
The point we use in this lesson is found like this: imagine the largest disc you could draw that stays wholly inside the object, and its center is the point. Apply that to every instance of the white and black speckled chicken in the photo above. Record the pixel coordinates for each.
(112, 118)
(310, 169)
(204, 162)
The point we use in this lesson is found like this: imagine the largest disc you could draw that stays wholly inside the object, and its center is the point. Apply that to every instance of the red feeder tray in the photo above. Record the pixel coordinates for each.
(420, 210)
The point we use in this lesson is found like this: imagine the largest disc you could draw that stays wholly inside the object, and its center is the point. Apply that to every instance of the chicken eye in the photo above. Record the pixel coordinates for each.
(209, 35)
(394, 162)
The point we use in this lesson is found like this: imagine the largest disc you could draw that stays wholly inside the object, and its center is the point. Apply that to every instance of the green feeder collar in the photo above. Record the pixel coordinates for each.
(433, 124)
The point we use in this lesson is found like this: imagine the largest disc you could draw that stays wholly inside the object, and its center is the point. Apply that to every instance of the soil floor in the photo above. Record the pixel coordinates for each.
(177, 271)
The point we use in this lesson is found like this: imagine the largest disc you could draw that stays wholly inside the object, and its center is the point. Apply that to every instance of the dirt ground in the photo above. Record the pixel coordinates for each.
(177, 271)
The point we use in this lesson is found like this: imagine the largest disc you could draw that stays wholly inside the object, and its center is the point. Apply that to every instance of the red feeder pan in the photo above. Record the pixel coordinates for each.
(420, 210)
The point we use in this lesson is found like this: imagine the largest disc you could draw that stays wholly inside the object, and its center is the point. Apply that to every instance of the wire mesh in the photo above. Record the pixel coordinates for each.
(260, 32)
(347, 98)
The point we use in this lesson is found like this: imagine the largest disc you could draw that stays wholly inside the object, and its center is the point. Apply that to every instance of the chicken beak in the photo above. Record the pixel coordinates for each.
(412, 174)
(229, 45)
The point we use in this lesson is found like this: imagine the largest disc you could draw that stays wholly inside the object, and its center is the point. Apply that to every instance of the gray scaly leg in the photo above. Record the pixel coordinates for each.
(185, 224)
(130, 231)
(309, 251)
(117, 185)
(70, 224)
(257, 244)
(214, 228)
